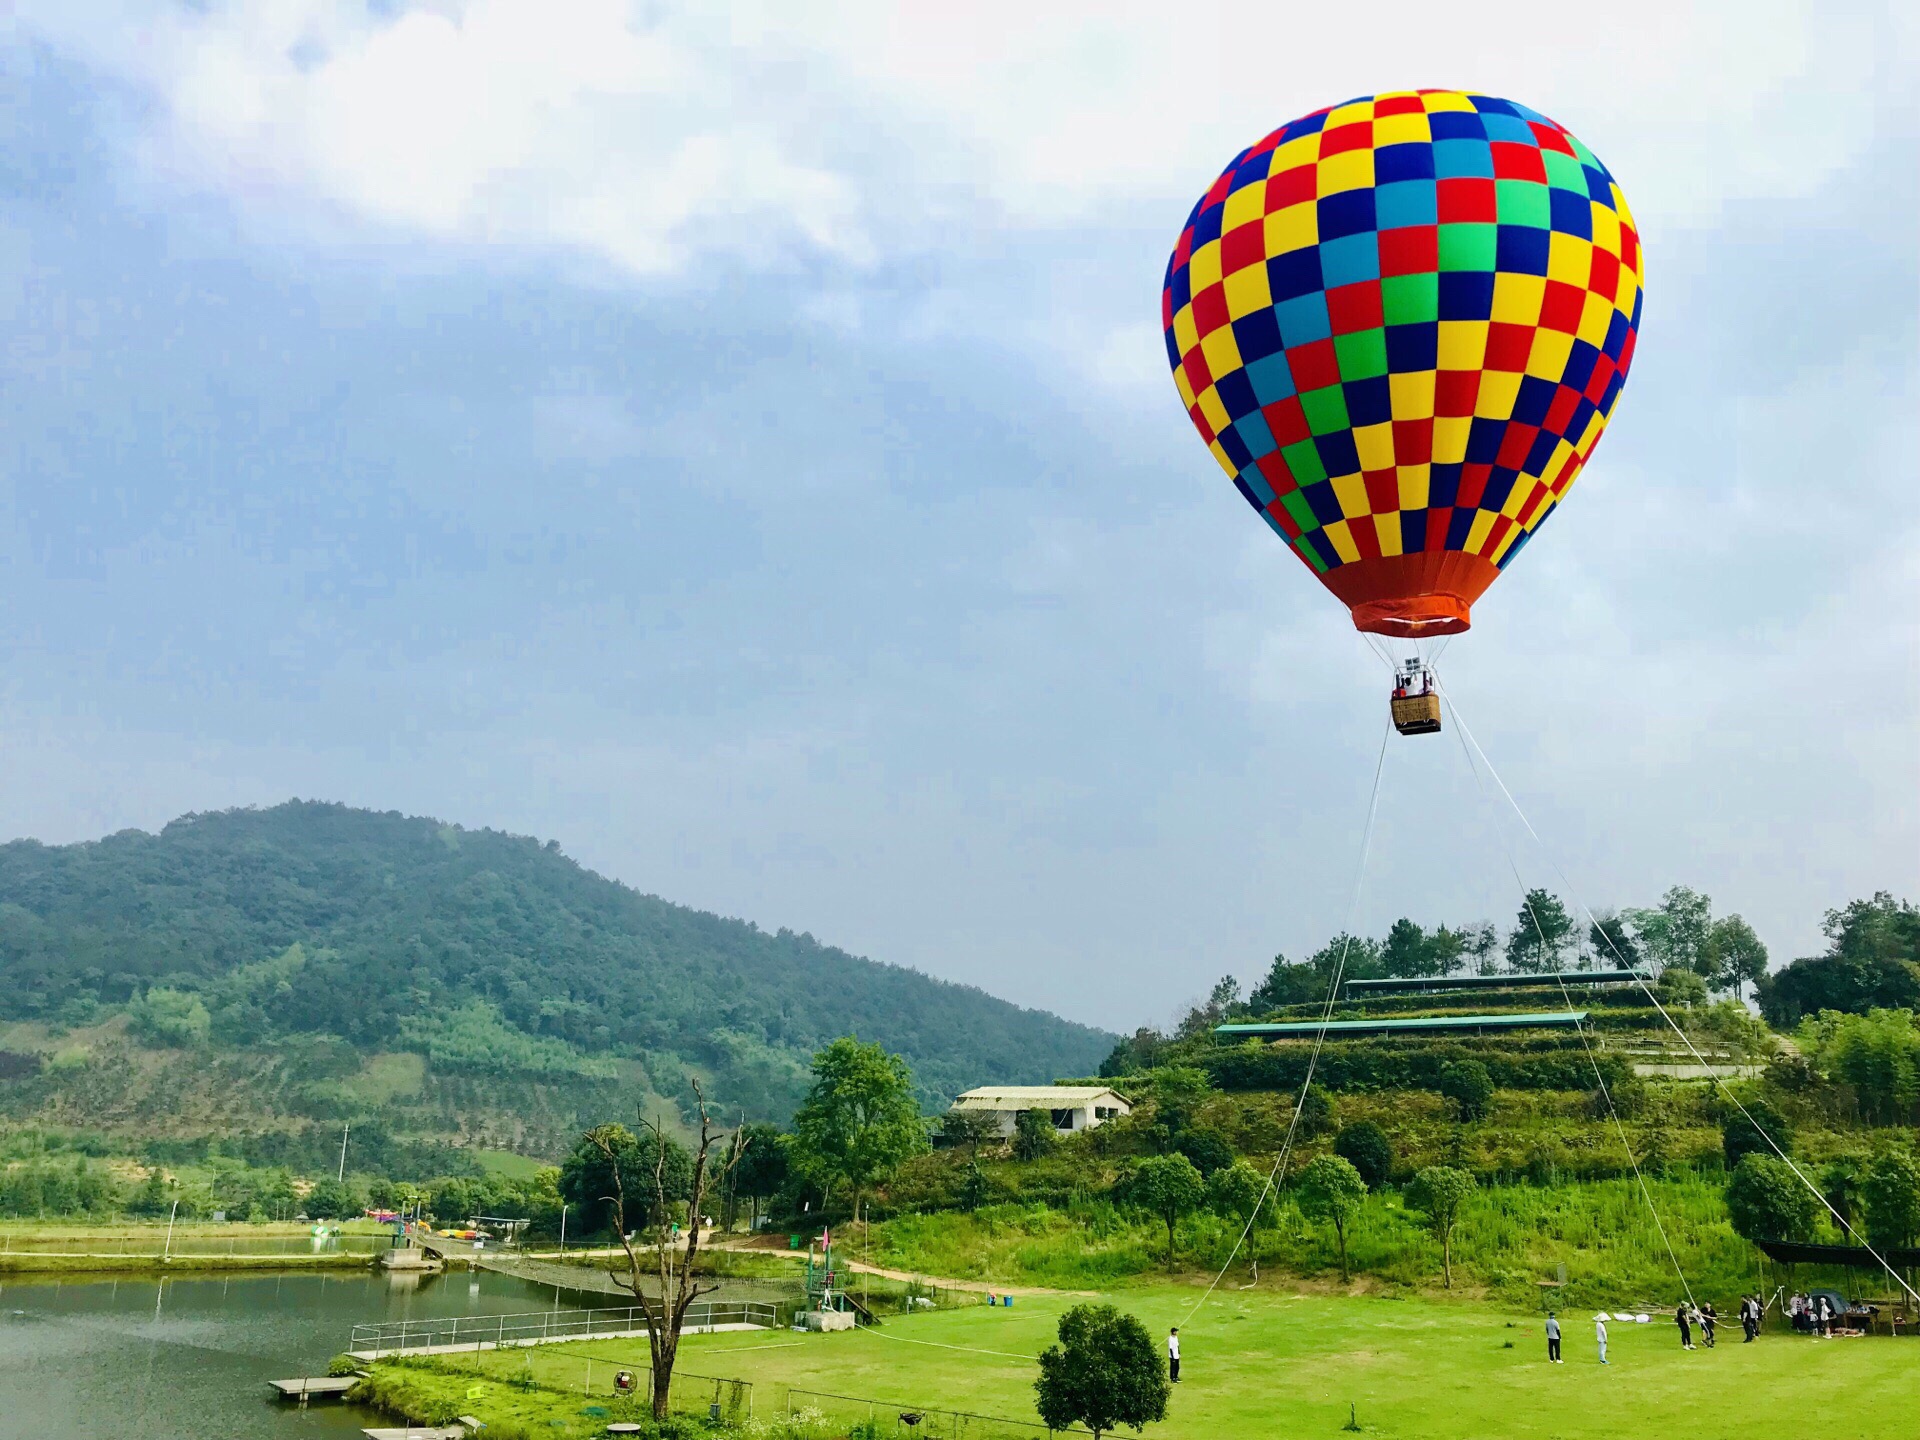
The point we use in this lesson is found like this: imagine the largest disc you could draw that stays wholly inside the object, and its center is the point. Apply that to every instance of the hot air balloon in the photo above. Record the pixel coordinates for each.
(1400, 325)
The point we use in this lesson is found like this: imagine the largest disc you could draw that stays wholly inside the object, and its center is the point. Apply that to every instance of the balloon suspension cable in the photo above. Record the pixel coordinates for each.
(1599, 1079)
(1277, 1175)
(1685, 1039)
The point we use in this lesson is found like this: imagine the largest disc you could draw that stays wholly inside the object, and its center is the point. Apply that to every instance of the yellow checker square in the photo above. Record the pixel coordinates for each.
(1507, 542)
(1590, 437)
(1375, 444)
(1247, 291)
(1445, 100)
(1351, 492)
(1402, 130)
(1499, 389)
(1523, 488)
(1222, 352)
(1204, 269)
(1606, 228)
(1221, 455)
(1186, 331)
(1386, 530)
(1342, 539)
(1462, 344)
(1243, 207)
(1289, 154)
(1620, 204)
(1215, 410)
(1350, 170)
(1596, 314)
(1450, 438)
(1548, 358)
(1623, 297)
(1183, 385)
(1562, 453)
(1516, 298)
(1413, 481)
(1295, 228)
(1411, 393)
(1350, 114)
(1570, 259)
(1477, 535)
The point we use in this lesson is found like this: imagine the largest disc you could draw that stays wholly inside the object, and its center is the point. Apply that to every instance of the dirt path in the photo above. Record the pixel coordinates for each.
(774, 1245)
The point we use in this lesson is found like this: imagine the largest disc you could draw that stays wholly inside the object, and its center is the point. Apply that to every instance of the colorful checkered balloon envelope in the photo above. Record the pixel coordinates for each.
(1400, 325)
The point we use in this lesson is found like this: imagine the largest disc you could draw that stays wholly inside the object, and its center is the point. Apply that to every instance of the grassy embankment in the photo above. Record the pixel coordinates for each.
(136, 1248)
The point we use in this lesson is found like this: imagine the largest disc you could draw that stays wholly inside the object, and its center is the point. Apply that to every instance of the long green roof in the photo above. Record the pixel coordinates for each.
(1494, 982)
(1428, 1024)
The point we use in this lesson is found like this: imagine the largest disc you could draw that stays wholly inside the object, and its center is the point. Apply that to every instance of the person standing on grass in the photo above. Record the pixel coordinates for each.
(1553, 1339)
(1600, 1334)
(1686, 1330)
(1173, 1355)
(1707, 1317)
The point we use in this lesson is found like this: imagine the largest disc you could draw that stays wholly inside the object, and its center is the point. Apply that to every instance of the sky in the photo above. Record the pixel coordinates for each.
(736, 442)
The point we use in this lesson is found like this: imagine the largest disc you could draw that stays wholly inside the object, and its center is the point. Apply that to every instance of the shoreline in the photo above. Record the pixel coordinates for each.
(34, 1263)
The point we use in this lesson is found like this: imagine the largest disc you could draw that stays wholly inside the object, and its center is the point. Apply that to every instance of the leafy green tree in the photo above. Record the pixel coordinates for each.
(1139, 1051)
(1469, 1086)
(1677, 934)
(1168, 1187)
(1316, 1114)
(1542, 934)
(973, 1187)
(1353, 957)
(1840, 1186)
(1890, 1187)
(761, 1169)
(970, 1129)
(1369, 1150)
(1611, 940)
(588, 1182)
(1681, 988)
(1177, 1091)
(1221, 1002)
(1206, 1147)
(332, 1199)
(1287, 984)
(1481, 942)
(1876, 1055)
(1033, 1135)
(154, 1197)
(1735, 956)
(1440, 1192)
(1767, 1201)
(1235, 1191)
(170, 1017)
(1446, 951)
(1872, 963)
(1105, 1371)
(1747, 1134)
(1330, 1189)
(860, 1119)
(1407, 951)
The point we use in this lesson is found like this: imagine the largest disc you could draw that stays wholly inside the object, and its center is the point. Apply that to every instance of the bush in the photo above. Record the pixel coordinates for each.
(1544, 1063)
(1365, 1146)
(1206, 1147)
(343, 1364)
(1467, 1084)
(1033, 1135)
(1316, 1114)
(1766, 1201)
(1739, 1136)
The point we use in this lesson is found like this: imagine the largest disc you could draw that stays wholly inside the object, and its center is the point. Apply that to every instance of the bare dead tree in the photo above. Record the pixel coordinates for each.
(670, 1271)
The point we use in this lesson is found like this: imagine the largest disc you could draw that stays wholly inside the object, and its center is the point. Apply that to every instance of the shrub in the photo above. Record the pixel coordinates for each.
(1766, 1201)
(1746, 1134)
(1033, 1135)
(1467, 1084)
(1206, 1147)
(1366, 1147)
(1890, 1187)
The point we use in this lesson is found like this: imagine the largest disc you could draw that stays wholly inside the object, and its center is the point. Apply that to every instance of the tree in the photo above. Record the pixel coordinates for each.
(1680, 988)
(1766, 1201)
(1353, 957)
(1441, 1191)
(1221, 1002)
(1140, 1051)
(969, 1129)
(1407, 951)
(1287, 984)
(1206, 1147)
(859, 1120)
(664, 1308)
(1747, 1133)
(1677, 934)
(1104, 1371)
(1446, 951)
(1481, 940)
(154, 1197)
(1366, 1145)
(1177, 1091)
(1877, 1055)
(1316, 1114)
(332, 1199)
(1840, 1186)
(1235, 1191)
(612, 1156)
(1330, 1189)
(1735, 956)
(973, 1187)
(761, 1169)
(1890, 1188)
(1542, 934)
(1033, 1134)
(1467, 1084)
(1167, 1186)
(1612, 942)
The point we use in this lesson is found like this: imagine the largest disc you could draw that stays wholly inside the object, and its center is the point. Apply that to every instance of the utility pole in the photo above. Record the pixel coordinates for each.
(343, 1152)
(563, 1229)
(167, 1253)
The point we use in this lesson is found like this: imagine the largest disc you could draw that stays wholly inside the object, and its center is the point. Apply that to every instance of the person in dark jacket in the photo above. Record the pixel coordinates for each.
(1553, 1339)
(1686, 1328)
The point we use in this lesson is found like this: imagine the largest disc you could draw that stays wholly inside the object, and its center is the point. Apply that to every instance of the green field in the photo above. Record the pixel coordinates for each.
(1269, 1362)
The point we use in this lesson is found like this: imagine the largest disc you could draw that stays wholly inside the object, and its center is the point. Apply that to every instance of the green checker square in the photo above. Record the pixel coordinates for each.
(1409, 299)
(1523, 202)
(1468, 246)
(1564, 172)
(1310, 555)
(1326, 412)
(1302, 513)
(1585, 155)
(1303, 459)
(1362, 356)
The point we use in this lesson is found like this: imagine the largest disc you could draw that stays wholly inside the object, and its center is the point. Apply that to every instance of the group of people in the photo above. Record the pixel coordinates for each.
(1691, 1317)
(1811, 1314)
(1553, 1337)
(1701, 1320)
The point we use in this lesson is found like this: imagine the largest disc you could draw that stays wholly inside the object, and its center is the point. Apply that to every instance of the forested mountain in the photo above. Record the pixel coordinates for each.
(498, 960)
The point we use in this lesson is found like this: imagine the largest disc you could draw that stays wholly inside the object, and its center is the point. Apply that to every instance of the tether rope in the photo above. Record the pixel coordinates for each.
(1278, 1172)
(1685, 1039)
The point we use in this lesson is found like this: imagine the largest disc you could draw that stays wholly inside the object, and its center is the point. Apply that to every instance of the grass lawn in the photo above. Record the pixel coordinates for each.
(1266, 1363)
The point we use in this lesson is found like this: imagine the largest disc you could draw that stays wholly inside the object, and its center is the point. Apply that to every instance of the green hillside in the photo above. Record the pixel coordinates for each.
(315, 962)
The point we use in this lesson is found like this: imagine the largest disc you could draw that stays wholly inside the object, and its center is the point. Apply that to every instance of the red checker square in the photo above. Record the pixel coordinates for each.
(1200, 423)
(1412, 442)
(1218, 191)
(1353, 308)
(1473, 484)
(1501, 526)
(1410, 250)
(1514, 161)
(1398, 105)
(1288, 421)
(1534, 502)
(1243, 247)
(1267, 143)
(1569, 472)
(1561, 308)
(1507, 345)
(1565, 401)
(1515, 444)
(1455, 393)
(1438, 519)
(1551, 137)
(1630, 248)
(1603, 279)
(1279, 475)
(1314, 366)
(1290, 187)
(1383, 492)
(1626, 350)
(1467, 200)
(1183, 252)
(1199, 377)
(1342, 138)
(1598, 381)
(1166, 307)
(1210, 309)
(1282, 517)
(1366, 539)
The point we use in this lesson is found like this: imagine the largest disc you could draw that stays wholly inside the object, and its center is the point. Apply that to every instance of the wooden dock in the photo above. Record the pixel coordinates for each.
(315, 1387)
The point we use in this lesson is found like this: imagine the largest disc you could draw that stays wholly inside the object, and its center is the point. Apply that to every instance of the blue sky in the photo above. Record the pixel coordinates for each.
(738, 445)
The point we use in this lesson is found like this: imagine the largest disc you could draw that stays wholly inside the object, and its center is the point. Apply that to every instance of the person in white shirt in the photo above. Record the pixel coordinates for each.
(1600, 1335)
(1173, 1354)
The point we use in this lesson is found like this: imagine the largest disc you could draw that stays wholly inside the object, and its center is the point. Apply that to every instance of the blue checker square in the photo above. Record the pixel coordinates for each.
(1616, 341)
(1235, 449)
(1466, 294)
(1520, 540)
(1510, 127)
(1443, 486)
(1254, 434)
(1521, 250)
(1490, 104)
(1612, 391)
(1236, 394)
(1582, 417)
(1459, 527)
(1349, 260)
(1369, 402)
(1250, 482)
(1348, 213)
(1598, 186)
(1249, 174)
(1206, 226)
(1304, 319)
(1406, 202)
(1413, 348)
(1173, 351)
(1462, 159)
(1580, 362)
(1323, 502)
(1639, 299)
(1413, 531)
(1180, 283)
(1526, 114)
(1543, 447)
(1294, 274)
(1530, 406)
(1411, 161)
(1272, 379)
(1257, 335)
(1499, 487)
(1311, 125)
(1483, 440)
(1456, 125)
(1571, 214)
(1338, 455)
